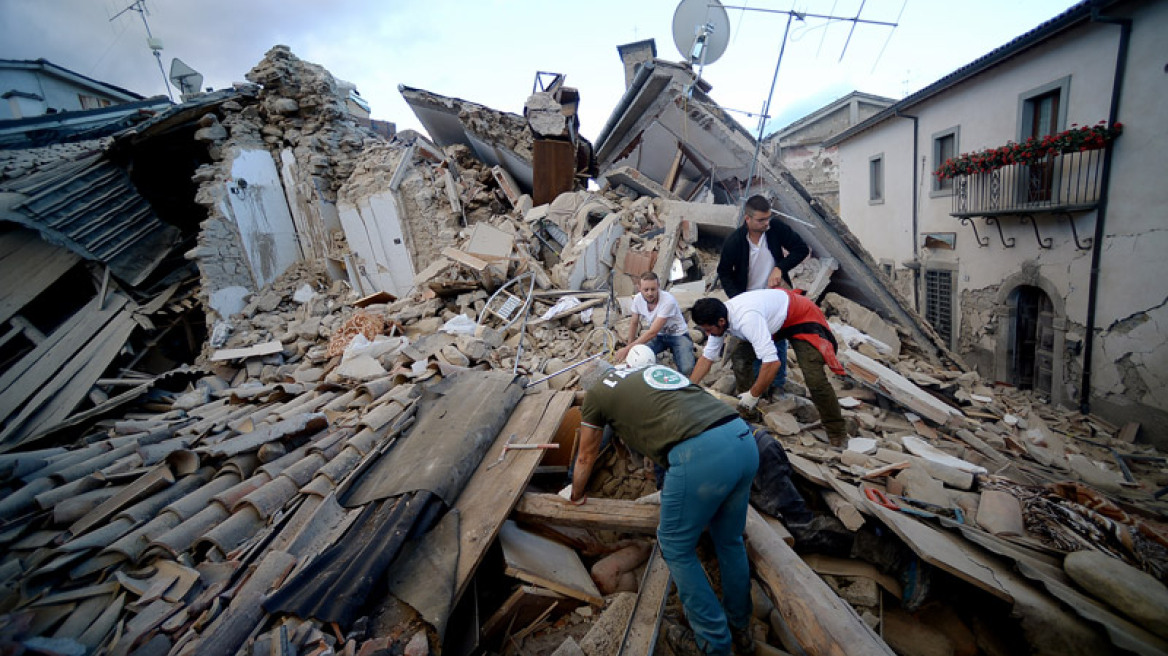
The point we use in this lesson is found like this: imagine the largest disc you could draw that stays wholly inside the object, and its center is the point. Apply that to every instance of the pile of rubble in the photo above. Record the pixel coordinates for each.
(339, 473)
(18, 163)
(171, 526)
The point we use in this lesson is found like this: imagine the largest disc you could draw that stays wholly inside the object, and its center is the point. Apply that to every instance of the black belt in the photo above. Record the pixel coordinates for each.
(724, 420)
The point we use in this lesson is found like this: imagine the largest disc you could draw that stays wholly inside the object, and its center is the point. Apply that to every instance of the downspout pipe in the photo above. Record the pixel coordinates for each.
(1125, 25)
(915, 241)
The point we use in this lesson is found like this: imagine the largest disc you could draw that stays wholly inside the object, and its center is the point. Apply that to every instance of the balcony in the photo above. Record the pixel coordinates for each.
(1056, 184)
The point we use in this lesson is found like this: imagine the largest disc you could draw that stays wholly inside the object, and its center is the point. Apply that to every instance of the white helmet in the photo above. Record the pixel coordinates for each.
(640, 356)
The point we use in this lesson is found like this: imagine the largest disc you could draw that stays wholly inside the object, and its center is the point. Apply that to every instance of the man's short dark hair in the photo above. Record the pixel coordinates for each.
(758, 204)
(707, 311)
(649, 275)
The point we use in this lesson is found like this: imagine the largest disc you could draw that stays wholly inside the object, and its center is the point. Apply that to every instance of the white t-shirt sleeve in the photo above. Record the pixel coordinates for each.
(753, 328)
(713, 348)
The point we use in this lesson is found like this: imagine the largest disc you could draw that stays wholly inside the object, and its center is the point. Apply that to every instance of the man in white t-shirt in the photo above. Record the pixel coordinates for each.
(761, 317)
(667, 326)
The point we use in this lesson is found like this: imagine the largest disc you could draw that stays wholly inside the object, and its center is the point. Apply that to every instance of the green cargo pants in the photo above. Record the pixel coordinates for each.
(822, 393)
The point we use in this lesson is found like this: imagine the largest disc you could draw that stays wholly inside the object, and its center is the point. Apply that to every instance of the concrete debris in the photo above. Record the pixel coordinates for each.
(349, 278)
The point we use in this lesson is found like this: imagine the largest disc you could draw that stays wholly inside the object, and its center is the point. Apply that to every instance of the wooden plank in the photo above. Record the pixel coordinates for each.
(481, 268)
(431, 271)
(645, 622)
(465, 259)
(1129, 432)
(16, 239)
(554, 166)
(490, 494)
(888, 469)
(25, 274)
(674, 170)
(834, 566)
(898, 388)
(521, 608)
(266, 348)
(73, 381)
(597, 514)
(569, 312)
(48, 357)
(818, 619)
(538, 560)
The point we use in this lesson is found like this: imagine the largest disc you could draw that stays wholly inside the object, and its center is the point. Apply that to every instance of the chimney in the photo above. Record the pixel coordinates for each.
(634, 55)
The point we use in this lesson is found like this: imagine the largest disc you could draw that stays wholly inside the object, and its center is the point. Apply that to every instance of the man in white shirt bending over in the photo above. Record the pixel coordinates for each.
(667, 326)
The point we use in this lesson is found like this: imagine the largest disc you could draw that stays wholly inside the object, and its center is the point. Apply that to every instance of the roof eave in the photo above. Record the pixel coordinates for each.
(1069, 19)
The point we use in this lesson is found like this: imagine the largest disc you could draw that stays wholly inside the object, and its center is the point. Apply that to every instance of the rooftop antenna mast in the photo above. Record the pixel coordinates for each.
(154, 44)
(766, 107)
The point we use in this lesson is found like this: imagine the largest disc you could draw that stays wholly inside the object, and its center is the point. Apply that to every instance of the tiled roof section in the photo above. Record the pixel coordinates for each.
(1069, 18)
(179, 497)
(90, 207)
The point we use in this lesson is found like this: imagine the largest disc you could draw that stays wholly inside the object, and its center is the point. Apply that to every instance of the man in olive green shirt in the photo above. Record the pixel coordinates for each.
(711, 459)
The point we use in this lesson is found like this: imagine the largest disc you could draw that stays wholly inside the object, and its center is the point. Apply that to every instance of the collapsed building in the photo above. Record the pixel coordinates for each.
(387, 318)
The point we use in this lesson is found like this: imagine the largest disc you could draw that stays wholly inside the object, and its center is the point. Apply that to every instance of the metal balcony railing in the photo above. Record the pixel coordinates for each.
(1060, 183)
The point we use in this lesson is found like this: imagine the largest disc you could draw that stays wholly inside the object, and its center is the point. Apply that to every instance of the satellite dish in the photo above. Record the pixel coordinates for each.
(701, 30)
(187, 79)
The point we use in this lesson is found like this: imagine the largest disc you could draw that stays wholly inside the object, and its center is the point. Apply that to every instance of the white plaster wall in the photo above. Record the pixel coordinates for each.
(1132, 310)
(256, 202)
(373, 230)
(885, 228)
(57, 93)
(985, 110)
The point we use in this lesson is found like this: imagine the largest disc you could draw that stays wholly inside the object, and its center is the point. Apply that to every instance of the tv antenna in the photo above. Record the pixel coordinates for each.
(766, 106)
(701, 32)
(154, 44)
(187, 79)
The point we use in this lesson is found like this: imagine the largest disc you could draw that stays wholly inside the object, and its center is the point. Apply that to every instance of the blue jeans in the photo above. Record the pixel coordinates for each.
(682, 348)
(708, 484)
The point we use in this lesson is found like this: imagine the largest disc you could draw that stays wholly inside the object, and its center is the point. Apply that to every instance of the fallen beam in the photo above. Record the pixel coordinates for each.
(644, 626)
(818, 619)
(597, 514)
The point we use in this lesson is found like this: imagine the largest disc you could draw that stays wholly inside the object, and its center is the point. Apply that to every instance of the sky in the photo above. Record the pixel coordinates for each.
(489, 51)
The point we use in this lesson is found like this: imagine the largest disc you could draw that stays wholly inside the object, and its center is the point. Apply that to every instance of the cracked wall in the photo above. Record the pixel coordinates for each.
(295, 118)
(1131, 368)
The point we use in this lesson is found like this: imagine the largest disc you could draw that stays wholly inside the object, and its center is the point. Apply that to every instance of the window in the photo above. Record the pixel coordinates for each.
(92, 102)
(939, 302)
(876, 179)
(1041, 111)
(944, 148)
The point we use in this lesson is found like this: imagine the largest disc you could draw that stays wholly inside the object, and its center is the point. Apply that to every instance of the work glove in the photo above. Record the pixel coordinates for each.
(652, 499)
(566, 493)
(747, 401)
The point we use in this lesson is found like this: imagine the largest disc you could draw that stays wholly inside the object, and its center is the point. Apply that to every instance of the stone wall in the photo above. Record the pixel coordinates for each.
(297, 108)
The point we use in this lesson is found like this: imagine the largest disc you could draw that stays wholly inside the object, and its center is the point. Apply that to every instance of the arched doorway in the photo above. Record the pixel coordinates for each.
(1031, 341)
